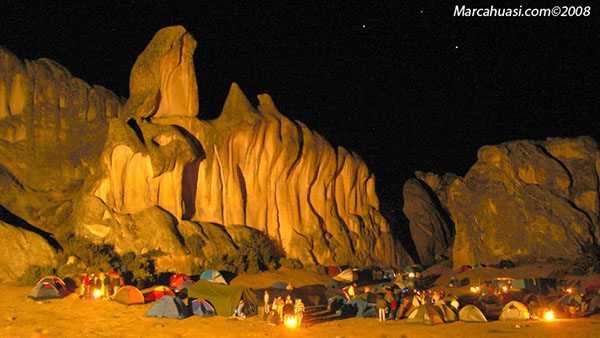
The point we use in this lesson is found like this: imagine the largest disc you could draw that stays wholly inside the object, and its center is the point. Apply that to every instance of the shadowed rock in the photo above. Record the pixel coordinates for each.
(430, 226)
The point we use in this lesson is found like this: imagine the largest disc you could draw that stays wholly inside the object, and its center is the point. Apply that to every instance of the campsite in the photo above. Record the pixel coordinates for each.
(129, 312)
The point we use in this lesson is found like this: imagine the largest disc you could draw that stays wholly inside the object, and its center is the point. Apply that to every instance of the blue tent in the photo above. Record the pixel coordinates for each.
(202, 308)
(213, 276)
(363, 308)
(168, 307)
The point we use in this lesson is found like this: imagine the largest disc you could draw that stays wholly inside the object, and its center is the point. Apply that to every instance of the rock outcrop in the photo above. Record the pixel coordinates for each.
(430, 226)
(525, 200)
(148, 174)
(52, 130)
(20, 249)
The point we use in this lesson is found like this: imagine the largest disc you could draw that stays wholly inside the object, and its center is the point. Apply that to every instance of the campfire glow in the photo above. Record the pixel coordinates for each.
(475, 289)
(549, 315)
(97, 293)
(291, 322)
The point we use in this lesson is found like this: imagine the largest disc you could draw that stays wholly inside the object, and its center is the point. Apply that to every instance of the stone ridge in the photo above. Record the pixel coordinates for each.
(148, 174)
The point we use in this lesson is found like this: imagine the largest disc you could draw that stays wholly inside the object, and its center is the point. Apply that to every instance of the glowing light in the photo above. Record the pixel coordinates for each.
(549, 315)
(505, 288)
(97, 293)
(569, 290)
(454, 304)
(411, 275)
(474, 289)
(291, 322)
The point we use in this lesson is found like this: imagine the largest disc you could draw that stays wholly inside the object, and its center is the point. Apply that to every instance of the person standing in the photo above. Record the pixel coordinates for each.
(352, 291)
(266, 299)
(381, 307)
(299, 310)
(278, 304)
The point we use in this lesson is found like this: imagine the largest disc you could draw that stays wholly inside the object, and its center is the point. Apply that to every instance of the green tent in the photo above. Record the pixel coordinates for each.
(224, 298)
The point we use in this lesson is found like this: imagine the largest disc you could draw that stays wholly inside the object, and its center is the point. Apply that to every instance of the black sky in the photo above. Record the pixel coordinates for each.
(397, 91)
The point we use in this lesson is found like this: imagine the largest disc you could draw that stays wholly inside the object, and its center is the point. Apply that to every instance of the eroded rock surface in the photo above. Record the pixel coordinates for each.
(148, 174)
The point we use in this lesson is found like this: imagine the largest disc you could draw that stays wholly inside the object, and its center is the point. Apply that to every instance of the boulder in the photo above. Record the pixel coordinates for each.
(430, 226)
(20, 249)
(526, 200)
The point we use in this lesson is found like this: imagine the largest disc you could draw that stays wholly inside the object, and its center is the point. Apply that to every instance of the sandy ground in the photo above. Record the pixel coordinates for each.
(72, 317)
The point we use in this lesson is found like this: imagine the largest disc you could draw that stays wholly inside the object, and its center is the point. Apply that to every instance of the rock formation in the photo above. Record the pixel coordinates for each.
(148, 174)
(430, 227)
(525, 200)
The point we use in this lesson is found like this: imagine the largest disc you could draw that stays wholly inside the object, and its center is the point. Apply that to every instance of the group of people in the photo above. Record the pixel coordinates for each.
(279, 309)
(398, 303)
(105, 284)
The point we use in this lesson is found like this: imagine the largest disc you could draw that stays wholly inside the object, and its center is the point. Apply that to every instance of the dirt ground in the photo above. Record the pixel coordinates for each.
(72, 317)
(21, 316)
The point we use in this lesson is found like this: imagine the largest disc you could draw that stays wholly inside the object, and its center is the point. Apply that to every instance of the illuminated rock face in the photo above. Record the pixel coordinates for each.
(275, 175)
(52, 130)
(148, 174)
(525, 200)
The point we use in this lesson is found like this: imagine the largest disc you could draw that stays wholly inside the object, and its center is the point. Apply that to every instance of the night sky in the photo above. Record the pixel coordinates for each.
(408, 87)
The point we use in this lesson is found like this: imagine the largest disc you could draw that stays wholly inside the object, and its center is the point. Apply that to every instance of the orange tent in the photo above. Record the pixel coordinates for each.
(128, 295)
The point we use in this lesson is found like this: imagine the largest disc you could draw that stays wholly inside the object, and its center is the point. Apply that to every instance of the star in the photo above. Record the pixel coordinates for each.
(364, 26)
(455, 47)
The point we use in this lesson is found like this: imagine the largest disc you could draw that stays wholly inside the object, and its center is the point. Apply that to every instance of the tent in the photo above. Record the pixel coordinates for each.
(224, 298)
(470, 313)
(425, 314)
(448, 315)
(168, 307)
(180, 281)
(332, 270)
(347, 276)
(412, 268)
(202, 308)
(514, 311)
(336, 302)
(49, 287)
(158, 292)
(56, 281)
(363, 308)
(279, 286)
(44, 291)
(594, 287)
(570, 300)
(465, 268)
(213, 276)
(594, 304)
(128, 295)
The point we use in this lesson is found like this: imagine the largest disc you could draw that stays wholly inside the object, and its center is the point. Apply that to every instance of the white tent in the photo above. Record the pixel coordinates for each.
(347, 276)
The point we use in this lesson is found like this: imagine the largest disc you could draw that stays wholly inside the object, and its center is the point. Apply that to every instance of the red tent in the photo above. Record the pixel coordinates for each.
(177, 280)
(157, 292)
(465, 268)
(332, 270)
